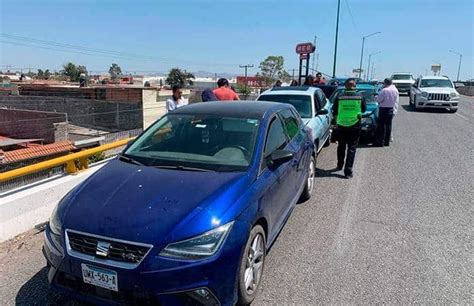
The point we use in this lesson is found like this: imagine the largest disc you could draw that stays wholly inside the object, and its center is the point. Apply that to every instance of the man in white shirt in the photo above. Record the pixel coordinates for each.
(176, 100)
(388, 106)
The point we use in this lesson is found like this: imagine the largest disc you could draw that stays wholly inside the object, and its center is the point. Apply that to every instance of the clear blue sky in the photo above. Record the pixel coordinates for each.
(217, 36)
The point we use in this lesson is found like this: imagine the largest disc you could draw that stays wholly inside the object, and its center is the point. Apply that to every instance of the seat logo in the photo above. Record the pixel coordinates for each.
(102, 249)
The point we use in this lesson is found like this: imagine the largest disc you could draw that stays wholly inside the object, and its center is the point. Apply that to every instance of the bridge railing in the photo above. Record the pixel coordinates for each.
(73, 162)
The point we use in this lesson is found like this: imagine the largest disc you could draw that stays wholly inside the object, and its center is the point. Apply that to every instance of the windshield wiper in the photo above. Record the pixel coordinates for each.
(183, 168)
(129, 160)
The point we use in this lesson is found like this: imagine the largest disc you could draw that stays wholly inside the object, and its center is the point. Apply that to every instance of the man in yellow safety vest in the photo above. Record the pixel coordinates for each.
(348, 109)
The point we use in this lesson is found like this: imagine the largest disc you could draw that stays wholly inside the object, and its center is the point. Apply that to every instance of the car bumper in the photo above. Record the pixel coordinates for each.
(403, 88)
(437, 104)
(172, 283)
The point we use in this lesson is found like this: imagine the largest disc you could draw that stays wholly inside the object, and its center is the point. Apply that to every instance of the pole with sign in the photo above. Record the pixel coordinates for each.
(304, 50)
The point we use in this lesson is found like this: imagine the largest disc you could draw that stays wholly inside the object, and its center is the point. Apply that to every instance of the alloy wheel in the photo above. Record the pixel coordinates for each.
(254, 265)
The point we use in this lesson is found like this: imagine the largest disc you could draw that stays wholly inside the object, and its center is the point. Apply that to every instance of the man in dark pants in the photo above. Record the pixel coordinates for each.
(388, 100)
(348, 109)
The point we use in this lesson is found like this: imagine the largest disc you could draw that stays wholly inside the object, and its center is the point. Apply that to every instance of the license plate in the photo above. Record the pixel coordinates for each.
(100, 277)
(438, 103)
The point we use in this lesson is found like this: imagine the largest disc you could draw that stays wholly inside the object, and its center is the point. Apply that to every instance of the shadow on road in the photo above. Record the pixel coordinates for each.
(410, 109)
(36, 292)
(328, 173)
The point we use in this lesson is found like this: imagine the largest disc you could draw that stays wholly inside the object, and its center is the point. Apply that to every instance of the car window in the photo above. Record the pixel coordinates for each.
(290, 122)
(276, 138)
(302, 103)
(322, 99)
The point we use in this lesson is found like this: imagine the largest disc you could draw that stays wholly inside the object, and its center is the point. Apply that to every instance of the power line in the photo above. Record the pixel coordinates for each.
(352, 17)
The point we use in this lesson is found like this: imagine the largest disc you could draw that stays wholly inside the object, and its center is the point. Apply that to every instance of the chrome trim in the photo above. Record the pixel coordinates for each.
(107, 262)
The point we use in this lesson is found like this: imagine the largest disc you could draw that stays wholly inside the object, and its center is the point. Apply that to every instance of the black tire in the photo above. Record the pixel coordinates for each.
(246, 297)
(308, 186)
(452, 111)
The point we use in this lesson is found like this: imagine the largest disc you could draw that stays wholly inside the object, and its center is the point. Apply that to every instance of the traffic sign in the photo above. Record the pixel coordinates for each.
(305, 48)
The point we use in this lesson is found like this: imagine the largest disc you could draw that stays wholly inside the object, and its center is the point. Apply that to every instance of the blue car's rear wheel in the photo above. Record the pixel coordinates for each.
(251, 266)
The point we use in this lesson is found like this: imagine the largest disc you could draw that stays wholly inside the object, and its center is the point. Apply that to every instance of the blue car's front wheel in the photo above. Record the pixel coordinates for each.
(251, 266)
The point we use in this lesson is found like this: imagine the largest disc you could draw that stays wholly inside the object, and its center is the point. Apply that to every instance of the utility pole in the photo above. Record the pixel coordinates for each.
(335, 42)
(368, 66)
(315, 38)
(317, 61)
(459, 66)
(362, 50)
(246, 67)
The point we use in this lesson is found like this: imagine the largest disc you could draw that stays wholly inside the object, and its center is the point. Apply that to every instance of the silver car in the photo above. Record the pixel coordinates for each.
(313, 106)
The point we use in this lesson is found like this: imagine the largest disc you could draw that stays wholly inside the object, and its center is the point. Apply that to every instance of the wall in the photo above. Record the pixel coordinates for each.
(466, 90)
(110, 115)
(33, 124)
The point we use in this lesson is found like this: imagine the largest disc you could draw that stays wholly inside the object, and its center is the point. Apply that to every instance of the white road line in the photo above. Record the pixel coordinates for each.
(461, 116)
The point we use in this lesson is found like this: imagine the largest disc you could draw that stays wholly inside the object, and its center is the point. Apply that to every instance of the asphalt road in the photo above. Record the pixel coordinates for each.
(400, 231)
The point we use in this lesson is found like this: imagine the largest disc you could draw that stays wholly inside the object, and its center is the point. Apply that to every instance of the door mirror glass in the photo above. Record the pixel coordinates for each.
(278, 158)
(323, 111)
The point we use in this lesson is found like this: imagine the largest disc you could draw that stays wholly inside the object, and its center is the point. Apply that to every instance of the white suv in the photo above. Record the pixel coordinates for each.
(403, 81)
(434, 92)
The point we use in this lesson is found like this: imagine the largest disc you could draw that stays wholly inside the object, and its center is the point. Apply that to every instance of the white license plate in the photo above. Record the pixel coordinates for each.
(100, 277)
(438, 103)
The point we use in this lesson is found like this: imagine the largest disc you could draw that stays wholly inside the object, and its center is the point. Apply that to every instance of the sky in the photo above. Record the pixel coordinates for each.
(218, 36)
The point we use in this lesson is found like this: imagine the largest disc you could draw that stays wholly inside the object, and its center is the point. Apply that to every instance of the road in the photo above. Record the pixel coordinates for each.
(400, 231)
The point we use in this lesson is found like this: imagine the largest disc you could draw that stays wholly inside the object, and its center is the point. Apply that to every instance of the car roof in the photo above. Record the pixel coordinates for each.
(293, 90)
(401, 73)
(239, 109)
(434, 77)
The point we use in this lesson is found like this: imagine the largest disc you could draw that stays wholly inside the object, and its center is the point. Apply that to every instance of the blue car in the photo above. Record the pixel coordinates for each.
(186, 214)
(370, 117)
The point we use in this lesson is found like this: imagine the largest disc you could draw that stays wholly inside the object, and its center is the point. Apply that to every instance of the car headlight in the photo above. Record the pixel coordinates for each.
(424, 94)
(453, 95)
(54, 223)
(198, 247)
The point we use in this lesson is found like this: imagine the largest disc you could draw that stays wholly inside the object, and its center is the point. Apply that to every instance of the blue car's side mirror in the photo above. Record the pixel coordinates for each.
(278, 158)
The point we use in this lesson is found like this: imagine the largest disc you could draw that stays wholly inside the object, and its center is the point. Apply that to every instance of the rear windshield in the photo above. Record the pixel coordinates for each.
(302, 103)
(401, 77)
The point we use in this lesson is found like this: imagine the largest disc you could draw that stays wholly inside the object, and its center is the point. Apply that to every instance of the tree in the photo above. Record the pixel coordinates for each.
(271, 69)
(73, 72)
(178, 77)
(243, 90)
(115, 71)
(43, 75)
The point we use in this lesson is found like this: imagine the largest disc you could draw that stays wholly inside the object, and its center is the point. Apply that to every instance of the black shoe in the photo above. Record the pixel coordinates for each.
(348, 175)
(386, 144)
(378, 145)
(339, 168)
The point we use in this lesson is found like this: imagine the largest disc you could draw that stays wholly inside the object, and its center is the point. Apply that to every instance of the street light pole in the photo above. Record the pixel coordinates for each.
(246, 67)
(460, 59)
(335, 43)
(368, 66)
(315, 38)
(362, 50)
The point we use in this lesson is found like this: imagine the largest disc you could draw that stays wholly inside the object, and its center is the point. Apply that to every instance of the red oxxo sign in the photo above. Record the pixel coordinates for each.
(305, 48)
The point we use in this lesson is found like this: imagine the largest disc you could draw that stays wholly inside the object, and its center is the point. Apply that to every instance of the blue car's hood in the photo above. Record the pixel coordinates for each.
(146, 204)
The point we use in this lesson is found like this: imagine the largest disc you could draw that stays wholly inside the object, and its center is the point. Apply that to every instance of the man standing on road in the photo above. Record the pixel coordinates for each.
(348, 109)
(388, 103)
(176, 100)
(224, 93)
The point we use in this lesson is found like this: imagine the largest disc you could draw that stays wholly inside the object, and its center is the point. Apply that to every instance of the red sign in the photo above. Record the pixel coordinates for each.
(251, 81)
(305, 48)
(303, 56)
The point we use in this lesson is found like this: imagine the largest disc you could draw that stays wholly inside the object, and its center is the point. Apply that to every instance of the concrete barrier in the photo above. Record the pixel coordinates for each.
(466, 90)
(23, 208)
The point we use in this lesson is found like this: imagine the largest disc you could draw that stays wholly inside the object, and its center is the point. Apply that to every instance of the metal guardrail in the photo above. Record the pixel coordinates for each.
(74, 161)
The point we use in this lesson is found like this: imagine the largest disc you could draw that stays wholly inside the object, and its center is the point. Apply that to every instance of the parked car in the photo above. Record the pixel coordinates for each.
(339, 81)
(186, 214)
(370, 117)
(311, 104)
(403, 81)
(434, 92)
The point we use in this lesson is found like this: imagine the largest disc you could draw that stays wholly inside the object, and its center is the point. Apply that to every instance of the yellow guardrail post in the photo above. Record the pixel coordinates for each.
(69, 160)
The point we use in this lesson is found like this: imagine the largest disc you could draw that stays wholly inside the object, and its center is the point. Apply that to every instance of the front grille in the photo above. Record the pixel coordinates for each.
(119, 251)
(438, 97)
(403, 85)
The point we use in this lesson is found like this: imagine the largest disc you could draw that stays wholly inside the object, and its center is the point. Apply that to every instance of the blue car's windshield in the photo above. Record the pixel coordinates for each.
(302, 103)
(205, 142)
